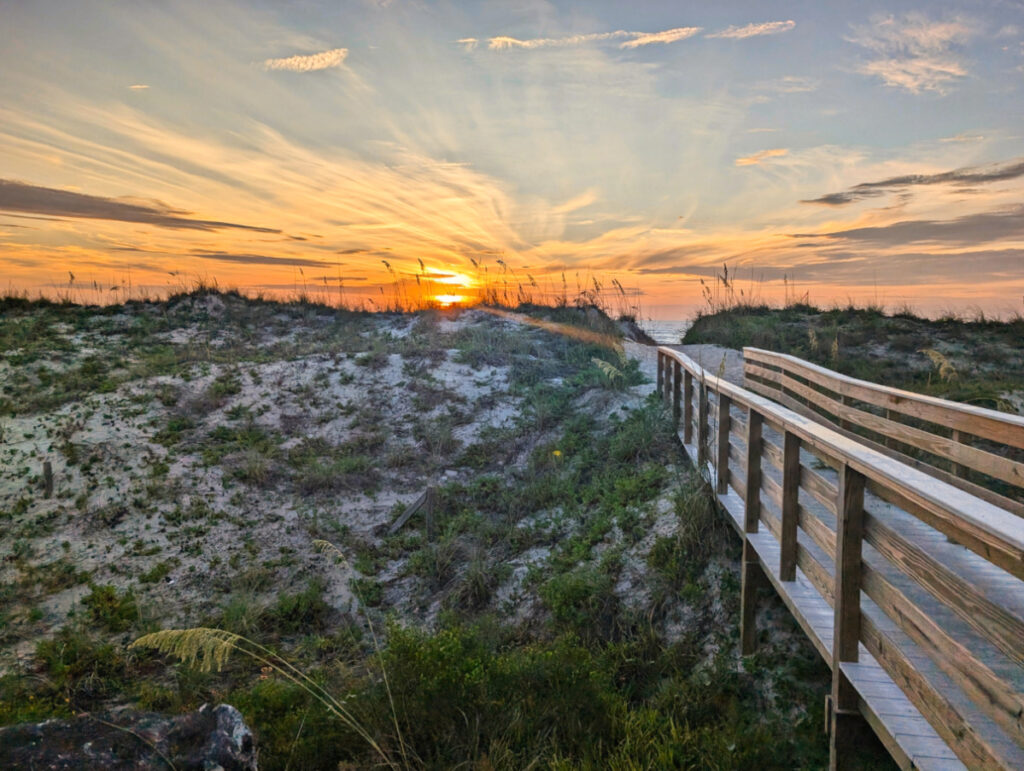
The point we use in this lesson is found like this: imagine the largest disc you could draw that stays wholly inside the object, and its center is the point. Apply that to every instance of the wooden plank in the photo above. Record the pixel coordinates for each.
(1017, 507)
(752, 501)
(823, 491)
(990, 464)
(989, 424)
(790, 506)
(687, 407)
(724, 405)
(987, 690)
(819, 532)
(849, 533)
(662, 358)
(407, 514)
(997, 625)
(947, 721)
(702, 424)
(772, 452)
(677, 394)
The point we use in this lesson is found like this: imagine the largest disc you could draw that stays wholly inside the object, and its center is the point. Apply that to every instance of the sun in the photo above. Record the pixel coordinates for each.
(448, 300)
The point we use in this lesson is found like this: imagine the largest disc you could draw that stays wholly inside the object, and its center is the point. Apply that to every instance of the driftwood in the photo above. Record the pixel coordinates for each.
(425, 503)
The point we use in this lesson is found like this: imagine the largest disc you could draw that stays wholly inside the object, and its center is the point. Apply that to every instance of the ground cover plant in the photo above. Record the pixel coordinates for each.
(570, 601)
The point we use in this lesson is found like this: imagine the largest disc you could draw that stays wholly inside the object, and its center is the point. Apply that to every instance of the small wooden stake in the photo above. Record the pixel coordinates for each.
(47, 479)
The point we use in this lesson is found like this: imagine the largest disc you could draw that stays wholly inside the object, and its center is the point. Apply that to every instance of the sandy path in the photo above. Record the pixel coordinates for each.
(717, 360)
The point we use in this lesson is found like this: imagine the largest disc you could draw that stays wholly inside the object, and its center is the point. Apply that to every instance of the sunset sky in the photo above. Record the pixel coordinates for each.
(865, 150)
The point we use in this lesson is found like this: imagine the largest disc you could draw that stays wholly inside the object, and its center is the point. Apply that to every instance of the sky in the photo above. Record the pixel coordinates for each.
(851, 151)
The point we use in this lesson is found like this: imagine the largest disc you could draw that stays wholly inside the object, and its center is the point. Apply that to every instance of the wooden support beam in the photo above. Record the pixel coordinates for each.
(702, 426)
(790, 506)
(752, 499)
(752, 578)
(661, 372)
(677, 395)
(722, 463)
(846, 718)
(687, 407)
(47, 479)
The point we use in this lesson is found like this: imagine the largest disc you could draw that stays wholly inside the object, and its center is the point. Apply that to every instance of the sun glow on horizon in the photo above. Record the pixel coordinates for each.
(448, 300)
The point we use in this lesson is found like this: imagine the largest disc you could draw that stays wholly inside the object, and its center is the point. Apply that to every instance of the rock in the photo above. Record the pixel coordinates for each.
(210, 739)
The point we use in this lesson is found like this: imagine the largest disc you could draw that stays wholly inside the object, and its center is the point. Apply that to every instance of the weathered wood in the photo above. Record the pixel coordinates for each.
(47, 479)
(989, 424)
(752, 502)
(677, 394)
(997, 625)
(990, 464)
(846, 608)
(772, 453)
(849, 533)
(961, 737)
(978, 674)
(687, 407)
(422, 501)
(1017, 507)
(995, 697)
(823, 491)
(991, 532)
(662, 358)
(722, 464)
(702, 425)
(752, 578)
(790, 506)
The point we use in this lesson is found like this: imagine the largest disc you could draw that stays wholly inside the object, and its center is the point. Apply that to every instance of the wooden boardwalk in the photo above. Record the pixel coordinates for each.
(909, 585)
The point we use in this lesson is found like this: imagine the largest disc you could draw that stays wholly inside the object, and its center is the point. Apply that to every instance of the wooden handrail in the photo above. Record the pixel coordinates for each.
(948, 435)
(761, 481)
(989, 424)
(985, 528)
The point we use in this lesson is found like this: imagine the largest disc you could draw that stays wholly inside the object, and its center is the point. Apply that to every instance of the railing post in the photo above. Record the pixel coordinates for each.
(752, 576)
(687, 407)
(702, 426)
(722, 464)
(958, 470)
(790, 505)
(665, 394)
(845, 718)
(676, 393)
(661, 373)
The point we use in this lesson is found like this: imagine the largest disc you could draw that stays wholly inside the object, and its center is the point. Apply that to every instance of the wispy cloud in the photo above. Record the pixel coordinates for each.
(138, 87)
(22, 197)
(631, 39)
(968, 175)
(580, 201)
(310, 63)
(762, 155)
(753, 30)
(969, 230)
(913, 52)
(666, 36)
(261, 259)
(468, 43)
(505, 43)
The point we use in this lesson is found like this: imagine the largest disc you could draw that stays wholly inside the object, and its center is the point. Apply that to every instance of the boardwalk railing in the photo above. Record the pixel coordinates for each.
(910, 588)
(951, 441)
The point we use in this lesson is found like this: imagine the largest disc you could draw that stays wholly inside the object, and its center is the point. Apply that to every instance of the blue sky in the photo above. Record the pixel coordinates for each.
(868, 150)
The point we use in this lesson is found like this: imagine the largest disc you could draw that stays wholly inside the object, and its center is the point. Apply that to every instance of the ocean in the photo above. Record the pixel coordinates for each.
(665, 332)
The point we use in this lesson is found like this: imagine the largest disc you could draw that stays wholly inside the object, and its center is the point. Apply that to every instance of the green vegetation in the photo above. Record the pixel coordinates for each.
(570, 602)
(986, 356)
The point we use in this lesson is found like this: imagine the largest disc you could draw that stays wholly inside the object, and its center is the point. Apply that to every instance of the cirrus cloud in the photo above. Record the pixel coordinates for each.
(762, 155)
(308, 63)
(754, 30)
